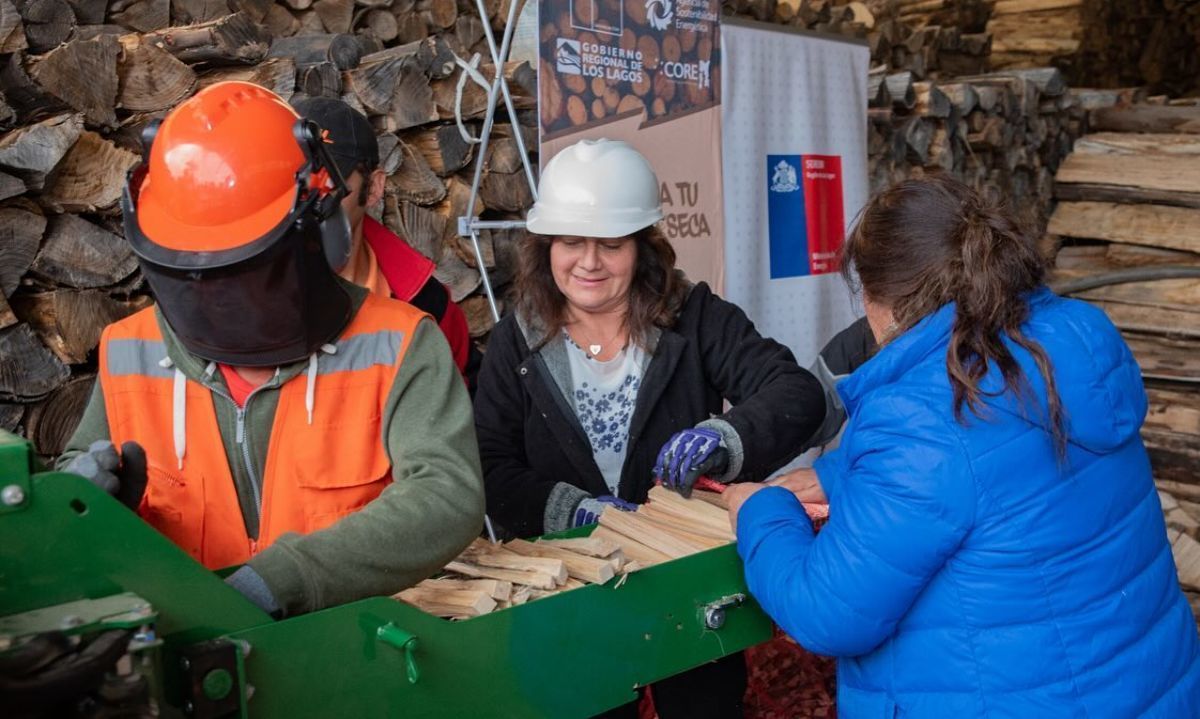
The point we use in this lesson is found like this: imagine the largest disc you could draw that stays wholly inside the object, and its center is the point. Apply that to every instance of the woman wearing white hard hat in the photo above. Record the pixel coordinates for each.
(613, 371)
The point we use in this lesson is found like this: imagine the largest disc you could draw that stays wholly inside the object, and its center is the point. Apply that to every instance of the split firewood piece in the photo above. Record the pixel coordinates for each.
(1186, 551)
(539, 580)
(11, 415)
(51, 423)
(466, 250)
(141, 15)
(33, 152)
(277, 75)
(28, 371)
(694, 516)
(280, 23)
(685, 533)
(587, 569)
(189, 12)
(715, 499)
(521, 594)
(335, 15)
(152, 79)
(663, 515)
(652, 534)
(8, 318)
(496, 589)
(12, 29)
(90, 177)
(80, 254)
(697, 507)
(444, 149)
(633, 550)
(21, 231)
(233, 39)
(415, 181)
(499, 558)
(448, 602)
(420, 226)
(24, 100)
(396, 88)
(11, 186)
(320, 80)
(69, 322)
(592, 546)
(48, 23)
(341, 49)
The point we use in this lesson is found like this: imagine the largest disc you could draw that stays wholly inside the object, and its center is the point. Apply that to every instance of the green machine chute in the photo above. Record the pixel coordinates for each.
(78, 564)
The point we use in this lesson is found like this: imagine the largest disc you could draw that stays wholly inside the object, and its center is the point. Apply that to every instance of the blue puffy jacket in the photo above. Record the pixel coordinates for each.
(965, 571)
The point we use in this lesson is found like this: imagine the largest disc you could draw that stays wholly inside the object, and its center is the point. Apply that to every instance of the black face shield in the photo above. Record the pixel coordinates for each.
(272, 301)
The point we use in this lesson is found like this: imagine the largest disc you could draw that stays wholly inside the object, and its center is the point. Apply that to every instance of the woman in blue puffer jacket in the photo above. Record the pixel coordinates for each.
(995, 546)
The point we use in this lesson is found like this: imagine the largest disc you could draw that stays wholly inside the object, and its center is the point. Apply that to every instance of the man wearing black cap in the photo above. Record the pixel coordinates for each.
(380, 260)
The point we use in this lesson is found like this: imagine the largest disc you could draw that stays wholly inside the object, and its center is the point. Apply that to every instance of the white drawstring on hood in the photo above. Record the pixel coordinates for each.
(179, 397)
(310, 386)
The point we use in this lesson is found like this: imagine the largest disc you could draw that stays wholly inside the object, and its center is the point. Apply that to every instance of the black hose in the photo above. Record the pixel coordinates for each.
(1136, 274)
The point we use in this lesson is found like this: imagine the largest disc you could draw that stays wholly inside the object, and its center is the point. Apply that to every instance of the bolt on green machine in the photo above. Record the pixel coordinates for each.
(79, 570)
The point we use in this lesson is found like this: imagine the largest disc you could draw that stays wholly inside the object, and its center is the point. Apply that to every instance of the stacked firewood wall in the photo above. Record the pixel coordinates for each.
(1128, 222)
(80, 79)
(1096, 43)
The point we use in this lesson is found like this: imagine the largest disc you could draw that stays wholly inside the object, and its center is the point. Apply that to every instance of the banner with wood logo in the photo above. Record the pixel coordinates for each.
(795, 164)
(646, 72)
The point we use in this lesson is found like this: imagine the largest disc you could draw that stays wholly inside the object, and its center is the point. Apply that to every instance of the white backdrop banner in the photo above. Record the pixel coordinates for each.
(794, 152)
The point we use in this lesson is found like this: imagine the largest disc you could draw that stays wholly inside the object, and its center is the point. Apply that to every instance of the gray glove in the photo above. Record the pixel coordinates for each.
(250, 583)
(122, 475)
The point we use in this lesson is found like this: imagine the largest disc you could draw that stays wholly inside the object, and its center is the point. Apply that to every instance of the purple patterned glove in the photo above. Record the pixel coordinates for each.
(687, 456)
(589, 509)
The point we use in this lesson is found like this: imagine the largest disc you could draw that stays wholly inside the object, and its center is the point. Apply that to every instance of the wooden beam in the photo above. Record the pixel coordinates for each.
(1147, 118)
(1175, 228)
(1133, 143)
(1154, 173)
(1163, 321)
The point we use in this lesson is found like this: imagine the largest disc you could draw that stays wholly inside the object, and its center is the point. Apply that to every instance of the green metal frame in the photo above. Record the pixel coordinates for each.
(569, 655)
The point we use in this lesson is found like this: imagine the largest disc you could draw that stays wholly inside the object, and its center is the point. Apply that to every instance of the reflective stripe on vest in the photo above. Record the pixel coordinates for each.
(315, 472)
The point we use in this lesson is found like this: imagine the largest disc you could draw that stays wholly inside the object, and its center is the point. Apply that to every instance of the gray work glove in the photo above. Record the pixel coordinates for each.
(122, 475)
(250, 583)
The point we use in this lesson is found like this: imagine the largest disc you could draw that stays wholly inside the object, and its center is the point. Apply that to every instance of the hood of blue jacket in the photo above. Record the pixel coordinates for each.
(1098, 381)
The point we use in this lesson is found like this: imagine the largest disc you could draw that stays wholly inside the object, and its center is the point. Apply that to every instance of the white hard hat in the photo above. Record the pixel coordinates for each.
(596, 188)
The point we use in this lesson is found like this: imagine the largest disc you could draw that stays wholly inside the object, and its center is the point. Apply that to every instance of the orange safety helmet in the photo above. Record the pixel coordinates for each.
(236, 221)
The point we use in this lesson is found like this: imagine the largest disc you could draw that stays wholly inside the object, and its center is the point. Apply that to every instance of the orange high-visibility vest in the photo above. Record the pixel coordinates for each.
(316, 471)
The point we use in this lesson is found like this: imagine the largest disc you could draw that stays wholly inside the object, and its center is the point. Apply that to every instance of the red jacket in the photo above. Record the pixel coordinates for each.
(409, 275)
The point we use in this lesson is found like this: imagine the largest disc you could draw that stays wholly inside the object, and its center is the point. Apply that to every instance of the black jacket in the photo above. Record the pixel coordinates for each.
(530, 439)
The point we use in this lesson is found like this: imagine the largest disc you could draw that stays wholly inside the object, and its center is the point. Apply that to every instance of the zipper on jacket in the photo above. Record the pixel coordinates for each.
(243, 441)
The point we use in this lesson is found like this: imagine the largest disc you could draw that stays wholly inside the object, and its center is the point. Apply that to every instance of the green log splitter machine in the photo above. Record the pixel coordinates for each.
(155, 630)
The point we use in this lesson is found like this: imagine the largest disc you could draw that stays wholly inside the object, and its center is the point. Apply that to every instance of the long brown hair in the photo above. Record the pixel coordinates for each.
(655, 294)
(924, 243)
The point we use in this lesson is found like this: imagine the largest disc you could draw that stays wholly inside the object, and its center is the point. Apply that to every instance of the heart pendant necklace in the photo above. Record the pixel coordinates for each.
(595, 348)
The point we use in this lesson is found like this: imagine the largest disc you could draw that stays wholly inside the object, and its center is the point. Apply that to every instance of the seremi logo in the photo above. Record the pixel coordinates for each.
(567, 57)
(805, 229)
(659, 13)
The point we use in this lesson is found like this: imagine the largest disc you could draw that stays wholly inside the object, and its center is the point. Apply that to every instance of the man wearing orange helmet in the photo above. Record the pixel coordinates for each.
(291, 421)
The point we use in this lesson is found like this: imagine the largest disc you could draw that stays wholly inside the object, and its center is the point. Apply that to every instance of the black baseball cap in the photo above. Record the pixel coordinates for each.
(350, 136)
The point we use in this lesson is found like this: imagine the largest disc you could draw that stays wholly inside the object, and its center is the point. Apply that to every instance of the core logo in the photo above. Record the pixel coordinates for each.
(659, 13)
(567, 57)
